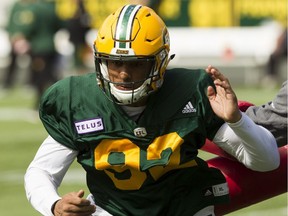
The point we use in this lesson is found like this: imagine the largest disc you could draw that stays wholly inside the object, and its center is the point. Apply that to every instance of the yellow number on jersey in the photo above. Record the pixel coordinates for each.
(131, 153)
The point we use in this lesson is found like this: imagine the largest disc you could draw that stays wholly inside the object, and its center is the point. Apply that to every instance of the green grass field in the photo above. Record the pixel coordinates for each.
(21, 134)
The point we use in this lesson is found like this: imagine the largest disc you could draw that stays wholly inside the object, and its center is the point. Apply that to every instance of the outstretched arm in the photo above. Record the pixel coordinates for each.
(250, 144)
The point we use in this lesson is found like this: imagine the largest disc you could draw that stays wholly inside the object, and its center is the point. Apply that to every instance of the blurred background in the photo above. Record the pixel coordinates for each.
(43, 41)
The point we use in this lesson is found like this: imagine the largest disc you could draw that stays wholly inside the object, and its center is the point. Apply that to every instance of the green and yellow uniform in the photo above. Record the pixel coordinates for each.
(138, 167)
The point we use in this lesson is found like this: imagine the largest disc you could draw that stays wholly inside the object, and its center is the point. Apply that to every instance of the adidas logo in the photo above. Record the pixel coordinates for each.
(188, 108)
(208, 193)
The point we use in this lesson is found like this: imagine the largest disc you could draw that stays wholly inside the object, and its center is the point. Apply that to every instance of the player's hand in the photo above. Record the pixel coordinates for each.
(73, 204)
(223, 101)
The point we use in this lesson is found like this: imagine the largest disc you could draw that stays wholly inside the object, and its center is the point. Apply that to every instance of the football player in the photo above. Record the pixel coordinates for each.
(273, 115)
(136, 127)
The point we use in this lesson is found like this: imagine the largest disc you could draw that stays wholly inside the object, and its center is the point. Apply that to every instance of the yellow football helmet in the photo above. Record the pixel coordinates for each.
(132, 33)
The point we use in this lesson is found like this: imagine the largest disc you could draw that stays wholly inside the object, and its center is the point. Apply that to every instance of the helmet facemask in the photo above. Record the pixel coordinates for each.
(139, 88)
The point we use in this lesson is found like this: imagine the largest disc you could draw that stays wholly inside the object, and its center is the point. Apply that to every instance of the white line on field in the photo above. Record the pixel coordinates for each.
(18, 114)
(17, 177)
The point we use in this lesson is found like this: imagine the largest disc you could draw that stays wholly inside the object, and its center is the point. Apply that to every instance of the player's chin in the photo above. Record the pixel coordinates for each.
(124, 87)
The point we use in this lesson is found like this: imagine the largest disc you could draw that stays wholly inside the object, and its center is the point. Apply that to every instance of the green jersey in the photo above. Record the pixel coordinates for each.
(144, 167)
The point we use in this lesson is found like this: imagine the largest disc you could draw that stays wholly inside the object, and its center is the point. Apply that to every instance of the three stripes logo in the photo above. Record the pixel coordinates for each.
(189, 108)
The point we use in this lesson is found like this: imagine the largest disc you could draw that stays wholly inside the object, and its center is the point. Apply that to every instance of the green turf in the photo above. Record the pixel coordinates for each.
(21, 136)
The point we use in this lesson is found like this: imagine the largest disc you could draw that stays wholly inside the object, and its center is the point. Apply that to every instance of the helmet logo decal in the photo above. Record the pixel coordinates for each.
(166, 38)
(125, 25)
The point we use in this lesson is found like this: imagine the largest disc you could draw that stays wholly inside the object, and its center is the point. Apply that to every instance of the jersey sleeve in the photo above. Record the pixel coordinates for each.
(187, 88)
(55, 113)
